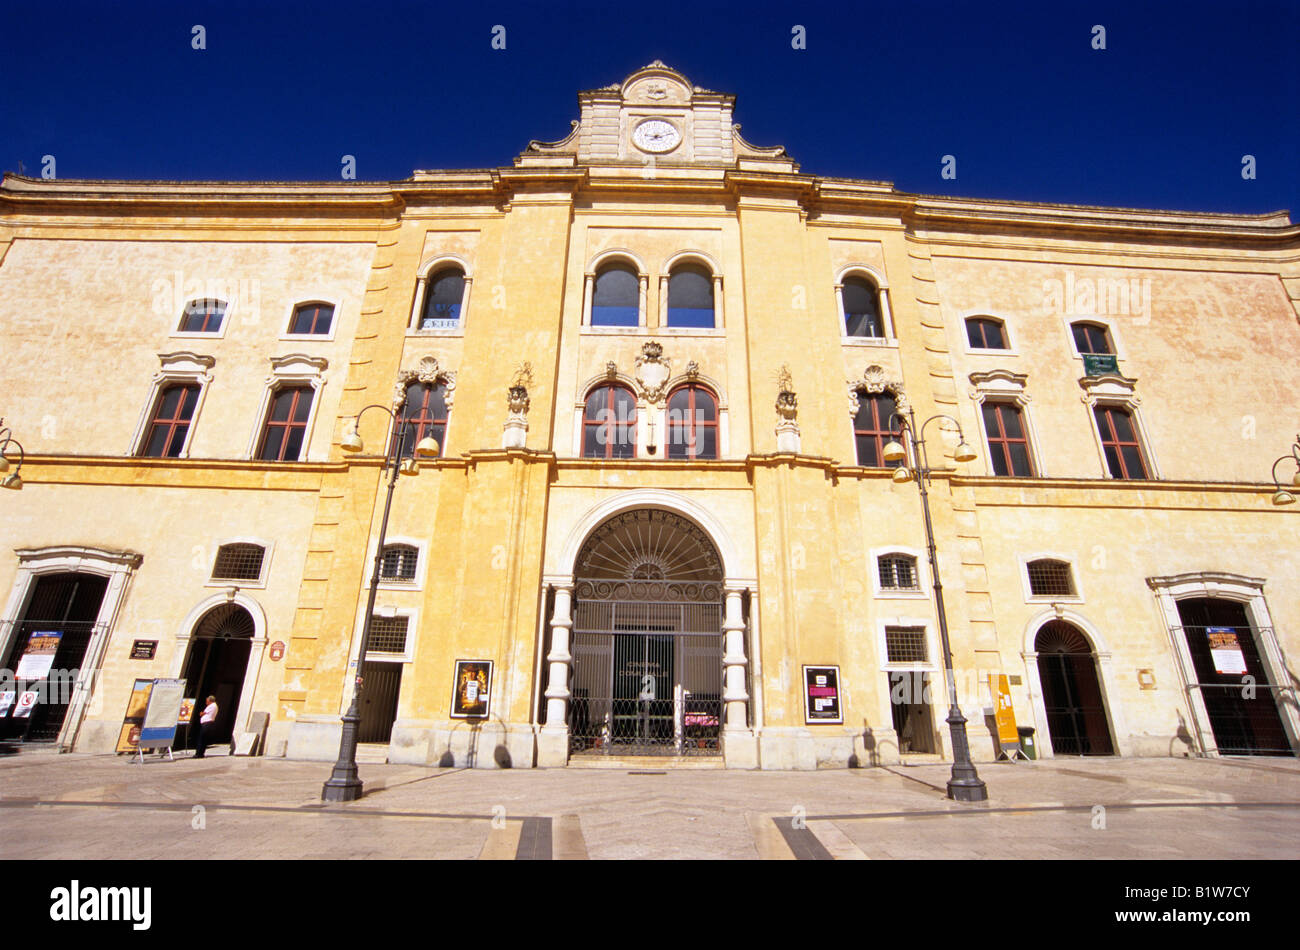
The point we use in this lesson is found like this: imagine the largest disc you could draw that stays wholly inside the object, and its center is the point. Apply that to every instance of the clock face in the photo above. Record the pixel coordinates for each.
(656, 135)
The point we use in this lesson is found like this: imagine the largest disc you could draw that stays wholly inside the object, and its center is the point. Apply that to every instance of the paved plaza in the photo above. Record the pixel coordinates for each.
(82, 806)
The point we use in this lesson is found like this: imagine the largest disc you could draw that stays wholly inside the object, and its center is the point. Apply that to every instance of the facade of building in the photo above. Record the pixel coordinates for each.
(662, 365)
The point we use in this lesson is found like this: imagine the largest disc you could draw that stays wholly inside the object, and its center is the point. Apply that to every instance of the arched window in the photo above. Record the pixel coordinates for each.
(690, 297)
(171, 421)
(985, 333)
(1092, 338)
(861, 300)
(203, 316)
(312, 319)
(871, 429)
(692, 423)
(609, 423)
(616, 300)
(442, 300)
(426, 411)
(398, 563)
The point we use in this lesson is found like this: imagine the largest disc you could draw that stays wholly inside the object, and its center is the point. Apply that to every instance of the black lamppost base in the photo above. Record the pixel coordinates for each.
(342, 789)
(967, 790)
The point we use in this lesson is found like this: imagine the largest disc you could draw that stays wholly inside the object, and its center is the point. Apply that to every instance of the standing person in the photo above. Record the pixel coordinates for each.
(207, 723)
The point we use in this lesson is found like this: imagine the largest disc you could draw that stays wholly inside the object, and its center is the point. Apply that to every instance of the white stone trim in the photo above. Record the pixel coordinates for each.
(382, 609)
(118, 566)
(1002, 318)
(1106, 681)
(226, 318)
(624, 256)
(294, 369)
(421, 546)
(287, 320)
(1111, 325)
(1249, 591)
(256, 650)
(179, 367)
(881, 283)
(1071, 559)
(1002, 385)
(665, 276)
(427, 270)
(268, 547)
(651, 498)
(1121, 392)
(922, 566)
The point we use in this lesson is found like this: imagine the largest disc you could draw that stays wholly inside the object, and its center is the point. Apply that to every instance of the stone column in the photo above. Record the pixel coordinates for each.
(643, 295)
(718, 315)
(739, 747)
(588, 297)
(553, 740)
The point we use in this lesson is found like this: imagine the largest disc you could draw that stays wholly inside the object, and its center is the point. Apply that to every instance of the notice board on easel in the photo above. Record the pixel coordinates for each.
(158, 731)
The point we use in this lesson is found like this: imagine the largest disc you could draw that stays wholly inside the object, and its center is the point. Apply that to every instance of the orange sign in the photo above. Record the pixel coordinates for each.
(1008, 736)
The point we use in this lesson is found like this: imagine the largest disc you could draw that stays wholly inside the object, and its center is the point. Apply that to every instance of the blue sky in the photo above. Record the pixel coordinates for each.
(1159, 119)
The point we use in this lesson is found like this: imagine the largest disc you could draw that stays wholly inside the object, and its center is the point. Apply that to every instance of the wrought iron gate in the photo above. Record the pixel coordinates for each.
(647, 678)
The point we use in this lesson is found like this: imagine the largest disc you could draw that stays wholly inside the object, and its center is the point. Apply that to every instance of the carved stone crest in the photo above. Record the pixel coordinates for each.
(653, 370)
(426, 371)
(875, 380)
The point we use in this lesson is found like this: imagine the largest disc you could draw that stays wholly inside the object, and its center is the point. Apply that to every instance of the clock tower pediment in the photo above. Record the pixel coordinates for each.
(654, 116)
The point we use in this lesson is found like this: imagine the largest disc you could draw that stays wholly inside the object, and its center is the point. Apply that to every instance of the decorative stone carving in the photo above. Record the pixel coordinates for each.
(653, 371)
(788, 440)
(515, 434)
(692, 370)
(426, 371)
(611, 369)
(875, 380)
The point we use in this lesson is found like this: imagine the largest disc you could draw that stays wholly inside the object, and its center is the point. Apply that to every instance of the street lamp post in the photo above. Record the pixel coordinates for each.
(964, 785)
(1282, 496)
(344, 784)
(12, 480)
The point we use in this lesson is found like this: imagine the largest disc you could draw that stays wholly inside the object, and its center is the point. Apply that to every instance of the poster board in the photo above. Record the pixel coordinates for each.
(1004, 715)
(1225, 649)
(129, 736)
(158, 731)
(7, 699)
(472, 691)
(821, 695)
(38, 658)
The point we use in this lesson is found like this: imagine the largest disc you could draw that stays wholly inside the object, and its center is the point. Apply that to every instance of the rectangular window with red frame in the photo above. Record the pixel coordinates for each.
(1008, 443)
(171, 421)
(286, 424)
(1120, 442)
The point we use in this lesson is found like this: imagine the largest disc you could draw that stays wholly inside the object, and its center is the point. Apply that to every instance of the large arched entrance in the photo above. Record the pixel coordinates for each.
(1072, 697)
(647, 639)
(216, 665)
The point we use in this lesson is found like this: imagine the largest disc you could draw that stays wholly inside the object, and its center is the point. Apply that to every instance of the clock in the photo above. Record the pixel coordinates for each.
(656, 135)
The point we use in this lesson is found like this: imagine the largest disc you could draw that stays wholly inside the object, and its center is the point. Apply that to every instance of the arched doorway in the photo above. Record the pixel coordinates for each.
(1224, 652)
(216, 665)
(1072, 697)
(647, 638)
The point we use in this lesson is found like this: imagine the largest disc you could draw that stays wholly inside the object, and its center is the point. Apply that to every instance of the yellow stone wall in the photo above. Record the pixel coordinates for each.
(1213, 355)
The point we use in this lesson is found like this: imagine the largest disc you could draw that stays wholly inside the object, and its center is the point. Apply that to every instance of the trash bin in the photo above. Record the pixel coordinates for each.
(1027, 742)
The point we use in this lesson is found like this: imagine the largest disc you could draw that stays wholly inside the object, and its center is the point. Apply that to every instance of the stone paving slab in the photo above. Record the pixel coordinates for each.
(59, 806)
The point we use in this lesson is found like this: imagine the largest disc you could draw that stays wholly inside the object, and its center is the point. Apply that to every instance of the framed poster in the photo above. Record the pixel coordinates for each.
(39, 656)
(472, 689)
(821, 695)
(1225, 648)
